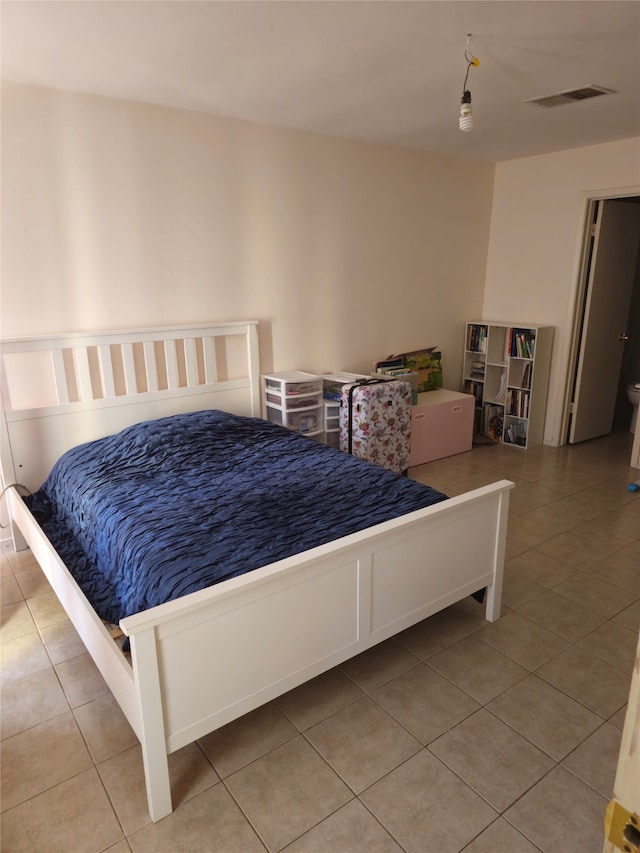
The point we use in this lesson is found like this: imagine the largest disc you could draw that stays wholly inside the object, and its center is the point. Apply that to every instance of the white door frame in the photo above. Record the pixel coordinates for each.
(580, 281)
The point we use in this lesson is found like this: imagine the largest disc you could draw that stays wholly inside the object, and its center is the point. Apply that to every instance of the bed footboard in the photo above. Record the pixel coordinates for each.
(289, 622)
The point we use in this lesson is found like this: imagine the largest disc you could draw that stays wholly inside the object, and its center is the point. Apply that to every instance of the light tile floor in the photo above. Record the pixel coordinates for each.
(456, 735)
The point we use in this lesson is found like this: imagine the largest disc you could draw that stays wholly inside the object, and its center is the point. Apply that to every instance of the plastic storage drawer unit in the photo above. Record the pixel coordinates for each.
(294, 399)
(441, 425)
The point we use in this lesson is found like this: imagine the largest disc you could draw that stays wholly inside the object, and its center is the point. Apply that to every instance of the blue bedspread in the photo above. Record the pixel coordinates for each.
(171, 506)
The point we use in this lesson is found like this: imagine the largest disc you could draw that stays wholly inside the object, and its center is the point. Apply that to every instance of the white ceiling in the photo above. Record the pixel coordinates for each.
(384, 70)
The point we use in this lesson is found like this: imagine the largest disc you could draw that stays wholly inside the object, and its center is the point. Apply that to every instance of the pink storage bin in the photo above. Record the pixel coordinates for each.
(441, 425)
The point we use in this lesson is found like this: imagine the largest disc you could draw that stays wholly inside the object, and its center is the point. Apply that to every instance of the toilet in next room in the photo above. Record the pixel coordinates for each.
(633, 393)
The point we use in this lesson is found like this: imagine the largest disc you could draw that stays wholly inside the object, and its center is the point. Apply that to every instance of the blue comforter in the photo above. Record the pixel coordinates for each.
(170, 506)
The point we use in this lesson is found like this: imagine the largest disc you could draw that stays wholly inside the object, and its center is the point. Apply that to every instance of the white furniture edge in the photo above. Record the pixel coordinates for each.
(203, 660)
(635, 449)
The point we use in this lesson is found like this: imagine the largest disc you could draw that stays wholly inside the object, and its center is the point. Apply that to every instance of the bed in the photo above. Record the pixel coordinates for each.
(305, 610)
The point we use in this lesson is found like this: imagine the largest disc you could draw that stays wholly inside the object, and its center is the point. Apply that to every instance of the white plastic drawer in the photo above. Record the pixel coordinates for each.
(293, 389)
(293, 383)
(331, 416)
(304, 401)
(305, 422)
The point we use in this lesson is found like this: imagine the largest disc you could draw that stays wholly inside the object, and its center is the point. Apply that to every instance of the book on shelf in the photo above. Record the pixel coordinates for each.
(477, 369)
(495, 428)
(492, 421)
(477, 338)
(520, 343)
(517, 402)
(475, 388)
(516, 433)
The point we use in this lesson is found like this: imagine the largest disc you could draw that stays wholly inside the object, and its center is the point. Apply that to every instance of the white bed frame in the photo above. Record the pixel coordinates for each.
(279, 625)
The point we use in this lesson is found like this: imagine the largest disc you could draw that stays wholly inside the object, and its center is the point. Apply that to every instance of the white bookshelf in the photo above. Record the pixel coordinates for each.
(506, 368)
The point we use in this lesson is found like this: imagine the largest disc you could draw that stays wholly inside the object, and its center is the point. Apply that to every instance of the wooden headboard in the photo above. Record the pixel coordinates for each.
(61, 391)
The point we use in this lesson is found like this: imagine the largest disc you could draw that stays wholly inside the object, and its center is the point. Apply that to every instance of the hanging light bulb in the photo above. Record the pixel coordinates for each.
(466, 115)
(465, 123)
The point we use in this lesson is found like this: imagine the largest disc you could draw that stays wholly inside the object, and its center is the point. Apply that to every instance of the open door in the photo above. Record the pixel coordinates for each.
(615, 251)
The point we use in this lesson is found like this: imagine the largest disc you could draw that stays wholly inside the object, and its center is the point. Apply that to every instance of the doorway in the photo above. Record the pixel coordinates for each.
(607, 310)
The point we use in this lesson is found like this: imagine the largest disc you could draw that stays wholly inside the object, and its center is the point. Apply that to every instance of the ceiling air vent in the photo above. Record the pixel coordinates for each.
(569, 96)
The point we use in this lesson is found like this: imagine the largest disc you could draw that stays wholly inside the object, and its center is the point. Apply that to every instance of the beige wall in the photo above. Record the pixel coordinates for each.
(537, 224)
(118, 214)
